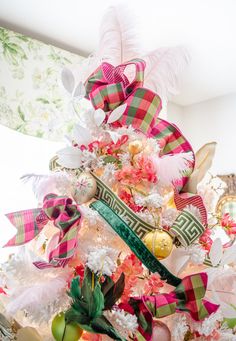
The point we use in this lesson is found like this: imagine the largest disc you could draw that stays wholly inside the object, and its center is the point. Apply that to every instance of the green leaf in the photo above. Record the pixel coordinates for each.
(110, 159)
(21, 114)
(115, 292)
(81, 306)
(102, 326)
(91, 294)
(4, 36)
(22, 37)
(72, 315)
(10, 57)
(16, 50)
(42, 100)
(97, 305)
(106, 285)
(75, 291)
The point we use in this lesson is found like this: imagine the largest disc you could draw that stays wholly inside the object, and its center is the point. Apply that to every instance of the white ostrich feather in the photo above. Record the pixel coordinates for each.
(163, 69)
(118, 42)
(37, 294)
(171, 167)
(42, 184)
(37, 291)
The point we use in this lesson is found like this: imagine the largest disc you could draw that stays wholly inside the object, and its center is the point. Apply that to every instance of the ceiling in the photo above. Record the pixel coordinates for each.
(206, 27)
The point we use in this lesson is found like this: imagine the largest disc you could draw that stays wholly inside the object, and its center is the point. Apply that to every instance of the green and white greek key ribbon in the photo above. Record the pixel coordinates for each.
(186, 229)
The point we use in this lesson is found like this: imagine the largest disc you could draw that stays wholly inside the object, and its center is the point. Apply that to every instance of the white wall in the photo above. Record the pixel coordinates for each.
(213, 120)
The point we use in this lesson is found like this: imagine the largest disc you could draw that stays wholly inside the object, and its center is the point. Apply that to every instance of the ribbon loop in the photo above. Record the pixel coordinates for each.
(65, 216)
(108, 86)
(61, 211)
(187, 296)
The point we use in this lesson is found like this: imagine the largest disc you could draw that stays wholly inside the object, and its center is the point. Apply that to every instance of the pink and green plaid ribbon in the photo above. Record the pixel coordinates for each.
(65, 216)
(108, 87)
(188, 296)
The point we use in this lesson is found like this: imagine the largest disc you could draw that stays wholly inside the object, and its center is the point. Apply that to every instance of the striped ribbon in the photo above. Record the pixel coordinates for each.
(65, 216)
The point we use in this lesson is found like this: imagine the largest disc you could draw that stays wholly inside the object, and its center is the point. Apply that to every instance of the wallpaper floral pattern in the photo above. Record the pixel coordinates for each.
(32, 99)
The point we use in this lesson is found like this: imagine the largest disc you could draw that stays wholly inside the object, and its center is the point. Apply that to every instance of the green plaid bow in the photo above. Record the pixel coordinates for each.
(188, 296)
(65, 216)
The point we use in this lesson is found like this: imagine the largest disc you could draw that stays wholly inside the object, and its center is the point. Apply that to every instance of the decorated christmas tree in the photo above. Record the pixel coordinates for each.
(122, 245)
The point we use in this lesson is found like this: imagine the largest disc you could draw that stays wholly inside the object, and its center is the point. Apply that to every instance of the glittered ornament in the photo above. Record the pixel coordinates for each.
(135, 147)
(65, 332)
(85, 188)
(160, 331)
(159, 242)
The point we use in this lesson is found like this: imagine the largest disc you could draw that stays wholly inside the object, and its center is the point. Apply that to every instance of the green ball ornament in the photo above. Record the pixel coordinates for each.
(65, 332)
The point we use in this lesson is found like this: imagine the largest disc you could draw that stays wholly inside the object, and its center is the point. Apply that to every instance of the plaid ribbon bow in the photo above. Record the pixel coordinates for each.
(188, 296)
(65, 216)
(108, 87)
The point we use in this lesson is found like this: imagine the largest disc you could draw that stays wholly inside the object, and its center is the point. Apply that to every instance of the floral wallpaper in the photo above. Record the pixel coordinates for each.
(32, 99)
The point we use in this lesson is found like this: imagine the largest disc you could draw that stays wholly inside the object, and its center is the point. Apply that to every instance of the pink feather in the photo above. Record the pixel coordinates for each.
(163, 68)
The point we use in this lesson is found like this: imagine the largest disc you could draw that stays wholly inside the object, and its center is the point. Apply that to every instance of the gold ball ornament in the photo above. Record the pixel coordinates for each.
(85, 188)
(65, 332)
(159, 243)
(135, 147)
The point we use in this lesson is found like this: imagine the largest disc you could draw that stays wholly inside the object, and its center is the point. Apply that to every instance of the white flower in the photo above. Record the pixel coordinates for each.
(125, 159)
(89, 159)
(108, 175)
(153, 146)
(196, 253)
(122, 321)
(153, 200)
(147, 217)
(90, 215)
(169, 216)
(130, 131)
(102, 261)
(180, 327)
(207, 326)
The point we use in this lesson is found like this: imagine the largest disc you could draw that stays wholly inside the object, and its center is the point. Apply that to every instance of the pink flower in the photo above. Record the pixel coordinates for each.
(147, 168)
(2, 291)
(132, 269)
(91, 337)
(128, 199)
(129, 175)
(228, 224)
(205, 239)
(142, 170)
(152, 285)
(79, 270)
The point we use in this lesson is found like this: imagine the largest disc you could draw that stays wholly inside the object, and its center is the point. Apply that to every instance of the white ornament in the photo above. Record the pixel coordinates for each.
(85, 188)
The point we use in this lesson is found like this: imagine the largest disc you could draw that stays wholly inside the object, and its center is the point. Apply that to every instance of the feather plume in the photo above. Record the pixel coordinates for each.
(42, 184)
(171, 167)
(118, 42)
(203, 161)
(39, 292)
(163, 69)
(36, 294)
